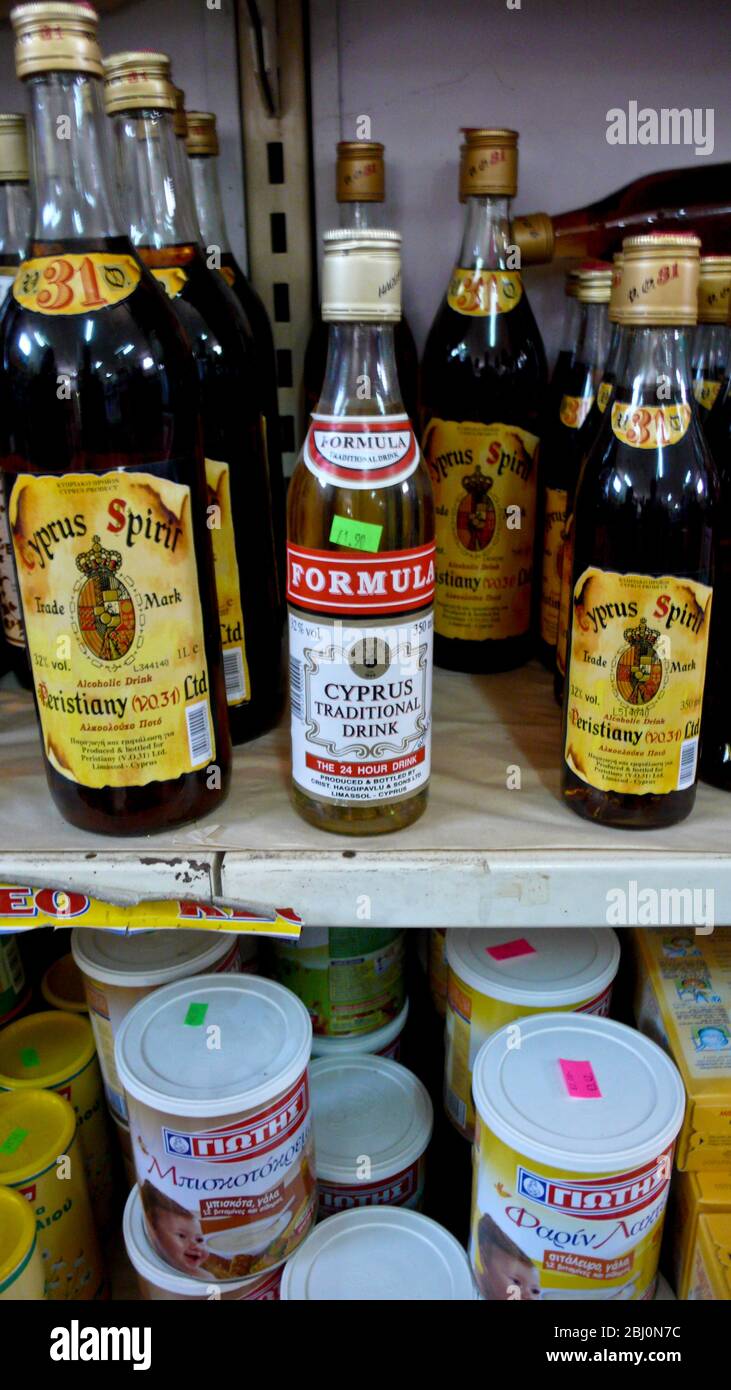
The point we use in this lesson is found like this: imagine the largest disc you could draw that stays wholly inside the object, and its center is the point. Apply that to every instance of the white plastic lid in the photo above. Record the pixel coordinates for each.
(378, 1254)
(535, 966)
(154, 957)
(163, 1059)
(149, 1265)
(522, 1097)
(367, 1105)
(375, 1041)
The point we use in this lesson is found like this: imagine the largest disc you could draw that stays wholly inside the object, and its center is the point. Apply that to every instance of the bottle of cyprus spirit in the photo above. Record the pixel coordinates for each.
(716, 747)
(162, 224)
(643, 563)
(711, 352)
(483, 382)
(360, 565)
(99, 447)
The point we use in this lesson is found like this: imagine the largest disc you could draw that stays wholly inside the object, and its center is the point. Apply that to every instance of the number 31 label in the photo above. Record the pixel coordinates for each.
(75, 284)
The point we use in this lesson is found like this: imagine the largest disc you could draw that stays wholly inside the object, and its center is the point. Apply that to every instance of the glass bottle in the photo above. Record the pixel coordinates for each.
(483, 382)
(203, 155)
(360, 565)
(360, 189)
(716, 745)
(711, 353)
(99, 413)
(643, 563)
(162, 225)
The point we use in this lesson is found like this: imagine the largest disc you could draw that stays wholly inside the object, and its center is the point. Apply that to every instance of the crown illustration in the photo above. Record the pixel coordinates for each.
(478, 484)
(642, 635)
(98, 561)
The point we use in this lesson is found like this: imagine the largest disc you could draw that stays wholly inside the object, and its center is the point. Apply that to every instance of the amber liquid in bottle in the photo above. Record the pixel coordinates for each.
(716, 747)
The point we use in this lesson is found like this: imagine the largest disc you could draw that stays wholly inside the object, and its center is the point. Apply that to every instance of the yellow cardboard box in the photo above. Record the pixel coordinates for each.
(710, 1273)
(692, 1195)
(683, 1001)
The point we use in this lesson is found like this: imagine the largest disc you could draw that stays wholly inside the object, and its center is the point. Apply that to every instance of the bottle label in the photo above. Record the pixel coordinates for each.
(650, 427)
(108, 577)
(484, 292)
(228, 275)
(172, 278)
(564, 601)
(228, 585)
(74, 283)
(574, 410)
(361, 452)
(638, 662)
(484, 479)
(602, 396)
(361, 679)
(553, 533)
(10, 606)
(706, 392)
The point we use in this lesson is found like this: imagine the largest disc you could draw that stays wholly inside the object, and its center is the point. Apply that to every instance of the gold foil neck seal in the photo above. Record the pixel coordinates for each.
(180, 116)
(714, 289)
(617, 268)
(359, 172)
(55, 37)
(659, 284)
(594, 282)
(202, 137)
(361, 276)
(488, 163)
(13, 148)
(534, 236)
(137, 81)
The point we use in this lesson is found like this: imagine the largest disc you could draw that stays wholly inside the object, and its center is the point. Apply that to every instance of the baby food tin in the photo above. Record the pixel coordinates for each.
(21, 1267)
(351, 980)
(215, 1072)
(55, 1051)
(386, 1041)
(62, 986)
(577, 1119)
(379, 1254)
(157, 1280)
(124, 1138)
(373, 1121)
(40, 1158)
(119, 969)
(496, 976)
(14, 991)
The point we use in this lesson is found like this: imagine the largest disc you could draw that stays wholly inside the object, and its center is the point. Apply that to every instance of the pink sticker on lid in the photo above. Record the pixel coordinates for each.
(580, 1080)
(510, 949)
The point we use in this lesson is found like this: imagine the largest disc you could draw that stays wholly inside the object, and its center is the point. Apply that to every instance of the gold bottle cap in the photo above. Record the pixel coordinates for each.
(594, 282)
(714, 289)
(136, 81)
(617, 267)
(202, 137)
(488, 163)
(13, 148)
(659, 279)
(359, 172)
(361, 276)
(534, 236)
(55, 37)
(180, 116)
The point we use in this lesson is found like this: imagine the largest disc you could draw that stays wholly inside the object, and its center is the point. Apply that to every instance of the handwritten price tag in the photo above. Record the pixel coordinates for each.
(510, 949)
(356, 535)
(580, 1080)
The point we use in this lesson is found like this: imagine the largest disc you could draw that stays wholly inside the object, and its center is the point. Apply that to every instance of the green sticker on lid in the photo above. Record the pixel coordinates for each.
(196, 1015)
(13, 1141)
(357, 535)
(29, 1057)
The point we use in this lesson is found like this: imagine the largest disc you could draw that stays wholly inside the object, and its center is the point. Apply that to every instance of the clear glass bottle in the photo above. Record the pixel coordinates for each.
(163, 228)
(483, 383)
(643, 563)
(360, 565)
(711, 353)
(100, 452)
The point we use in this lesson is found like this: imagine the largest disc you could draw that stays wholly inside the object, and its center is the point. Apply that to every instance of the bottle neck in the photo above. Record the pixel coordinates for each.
(184, 184)
(486, 236)
(14, 220)
(656, 366)
(73, 191)
(158, 211)
(207, 200)
(613, 355)
(360, 216)
(361, 376)
(592, 338)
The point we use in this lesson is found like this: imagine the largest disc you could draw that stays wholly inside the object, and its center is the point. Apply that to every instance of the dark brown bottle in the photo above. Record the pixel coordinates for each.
(716, 747)
(99, 412)
(711, 352)
(643, 563)
(483, 381)
(561, 441)
(162, 226)
(360, 189)
(202, 148)
(670, 200)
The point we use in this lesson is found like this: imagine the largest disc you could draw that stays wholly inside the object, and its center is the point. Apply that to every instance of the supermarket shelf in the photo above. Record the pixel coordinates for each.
(481, 854)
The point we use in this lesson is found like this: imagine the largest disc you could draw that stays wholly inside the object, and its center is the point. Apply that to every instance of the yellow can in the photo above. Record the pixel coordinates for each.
(55, 1051)
(21, 1267)
(62, 986)
(40, 1158)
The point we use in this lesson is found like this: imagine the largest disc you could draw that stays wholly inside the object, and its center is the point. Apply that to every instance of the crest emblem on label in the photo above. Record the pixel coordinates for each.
(366, 452)
(639, 669)
(476, 517)
(105, 608)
